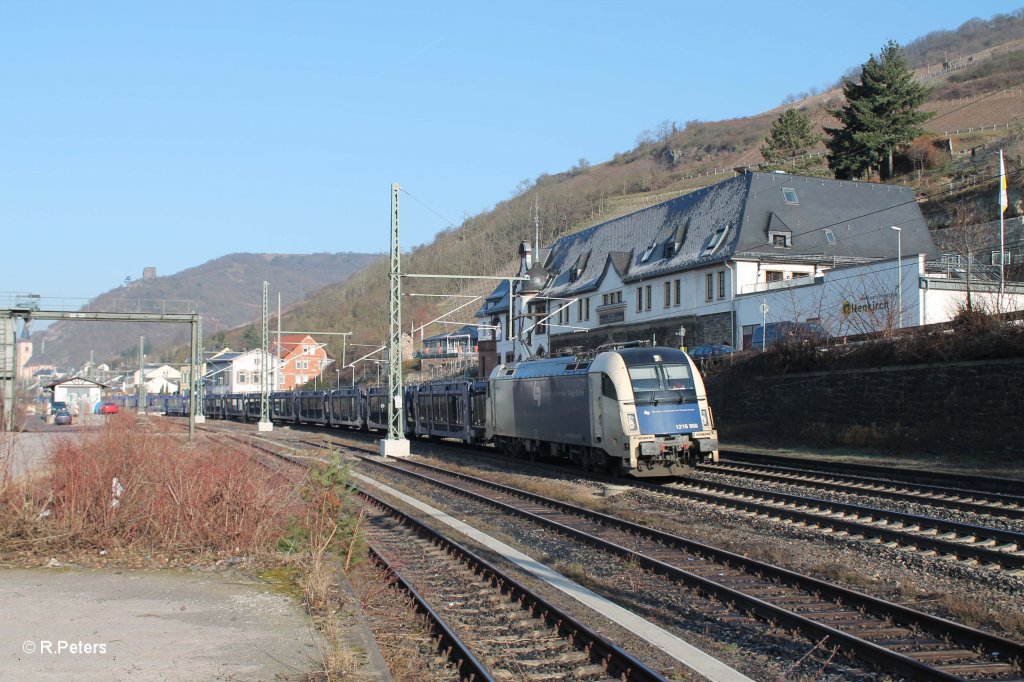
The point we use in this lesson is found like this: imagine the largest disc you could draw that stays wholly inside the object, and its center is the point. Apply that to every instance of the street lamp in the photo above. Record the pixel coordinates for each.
(899, 271)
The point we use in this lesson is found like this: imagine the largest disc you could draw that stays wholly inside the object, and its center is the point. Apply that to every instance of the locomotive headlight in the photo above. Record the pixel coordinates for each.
(631, 421)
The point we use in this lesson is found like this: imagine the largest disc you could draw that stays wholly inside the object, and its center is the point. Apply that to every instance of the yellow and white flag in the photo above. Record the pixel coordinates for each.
(1003, 201)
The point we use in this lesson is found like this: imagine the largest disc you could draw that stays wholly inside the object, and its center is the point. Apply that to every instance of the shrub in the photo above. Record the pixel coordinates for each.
(123, 487)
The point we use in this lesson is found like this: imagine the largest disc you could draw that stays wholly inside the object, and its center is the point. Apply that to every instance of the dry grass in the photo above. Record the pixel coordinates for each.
(401, 633)
(1013, 623)
(135, 492)
(966, 610)
(970, 611)
(843, 575)
(120, 488)
(320, 591)
(326, 539)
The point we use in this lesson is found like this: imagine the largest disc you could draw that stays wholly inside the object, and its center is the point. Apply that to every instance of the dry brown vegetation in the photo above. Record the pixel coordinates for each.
(127, 495)
(123, 488)
(971, 335)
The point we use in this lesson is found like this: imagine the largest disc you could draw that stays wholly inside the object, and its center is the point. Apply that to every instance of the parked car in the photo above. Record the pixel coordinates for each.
(709, 350)
(108, 407)
(62, 418)
(58, 405)
(779, 331)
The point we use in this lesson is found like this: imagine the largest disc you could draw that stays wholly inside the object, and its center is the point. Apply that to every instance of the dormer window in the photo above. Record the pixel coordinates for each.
(781, 240)
(789, 195)
(670, 250)
(648, 253)
(715, 240)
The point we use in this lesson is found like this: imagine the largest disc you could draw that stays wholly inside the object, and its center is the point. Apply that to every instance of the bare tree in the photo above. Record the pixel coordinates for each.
(964, 240)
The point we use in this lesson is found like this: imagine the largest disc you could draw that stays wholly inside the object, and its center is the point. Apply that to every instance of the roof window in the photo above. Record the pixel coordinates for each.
(715, 240)
(789, 194)
(830, 237)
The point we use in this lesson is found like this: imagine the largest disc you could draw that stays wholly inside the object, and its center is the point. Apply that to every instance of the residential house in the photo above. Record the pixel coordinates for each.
(234, 372)
(449, 352)
(302, 359)
(159, 378)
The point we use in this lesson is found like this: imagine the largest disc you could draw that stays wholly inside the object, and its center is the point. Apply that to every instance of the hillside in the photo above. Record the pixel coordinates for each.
(226, 291)
(679, 158)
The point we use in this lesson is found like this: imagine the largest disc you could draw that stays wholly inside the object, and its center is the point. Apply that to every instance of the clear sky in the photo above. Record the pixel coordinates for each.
(166, 134)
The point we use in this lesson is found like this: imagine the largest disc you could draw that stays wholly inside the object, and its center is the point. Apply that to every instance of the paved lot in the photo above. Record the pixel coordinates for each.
(83, 624)
(27, 450)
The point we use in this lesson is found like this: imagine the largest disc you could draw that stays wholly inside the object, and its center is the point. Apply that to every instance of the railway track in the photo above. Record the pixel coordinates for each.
(896, 639)
(974, 501)
(493, 626)
(985, 484)
(925, 535)
(986, 546)
(489, 626)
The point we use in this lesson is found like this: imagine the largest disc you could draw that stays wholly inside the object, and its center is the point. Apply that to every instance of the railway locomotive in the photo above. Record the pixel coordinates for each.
(639, 411)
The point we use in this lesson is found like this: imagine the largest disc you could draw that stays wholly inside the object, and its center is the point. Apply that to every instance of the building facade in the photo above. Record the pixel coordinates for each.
(450, 353)
(709, 266)
(233, 372)
(302, 359)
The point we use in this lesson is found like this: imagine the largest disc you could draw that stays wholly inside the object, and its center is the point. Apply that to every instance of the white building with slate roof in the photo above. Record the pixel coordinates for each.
(811, 249)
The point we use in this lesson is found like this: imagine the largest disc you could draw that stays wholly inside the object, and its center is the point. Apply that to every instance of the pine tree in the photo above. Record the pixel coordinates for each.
(791, 135)
(881, 113)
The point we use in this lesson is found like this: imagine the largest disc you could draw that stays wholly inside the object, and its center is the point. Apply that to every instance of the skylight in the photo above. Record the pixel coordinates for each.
(830, 236)
(789, 194)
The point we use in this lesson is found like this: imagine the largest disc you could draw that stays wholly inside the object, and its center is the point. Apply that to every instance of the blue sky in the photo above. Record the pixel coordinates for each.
(167, 134)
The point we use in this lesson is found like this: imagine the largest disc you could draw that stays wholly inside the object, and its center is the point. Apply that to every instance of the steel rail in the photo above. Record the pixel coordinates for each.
(448, 642)
(887, 659)
(978, 502)
(979, 483)
(600, 650)
(817, 511)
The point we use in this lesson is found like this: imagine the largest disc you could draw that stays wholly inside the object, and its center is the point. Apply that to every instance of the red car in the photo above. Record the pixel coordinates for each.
(108, 408)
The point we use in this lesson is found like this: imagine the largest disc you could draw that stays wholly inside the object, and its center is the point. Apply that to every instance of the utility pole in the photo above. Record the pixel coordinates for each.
(199, 383)
(192, 381)
(395, 445)
(344, 338)
(140, 387)
(278, 367)
(265, 424)
(8, 369)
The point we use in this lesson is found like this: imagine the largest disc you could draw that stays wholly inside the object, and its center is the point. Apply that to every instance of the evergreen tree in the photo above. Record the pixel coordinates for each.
(881, 113)
(791, 135)
(251, 337)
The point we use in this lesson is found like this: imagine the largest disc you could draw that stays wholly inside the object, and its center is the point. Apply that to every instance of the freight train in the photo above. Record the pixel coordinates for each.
(638, 411)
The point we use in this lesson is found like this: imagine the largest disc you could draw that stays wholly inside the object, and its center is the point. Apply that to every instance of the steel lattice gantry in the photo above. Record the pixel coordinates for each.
(8, 368)
(395, 444)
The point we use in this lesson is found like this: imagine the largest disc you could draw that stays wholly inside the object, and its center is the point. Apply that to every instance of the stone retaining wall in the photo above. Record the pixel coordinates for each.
(966, 406)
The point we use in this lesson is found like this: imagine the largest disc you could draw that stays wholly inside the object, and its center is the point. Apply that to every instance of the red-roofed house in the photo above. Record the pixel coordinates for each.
(302, 359)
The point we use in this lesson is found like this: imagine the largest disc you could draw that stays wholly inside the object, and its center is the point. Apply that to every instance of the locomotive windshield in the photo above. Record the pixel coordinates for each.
(662, 382)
